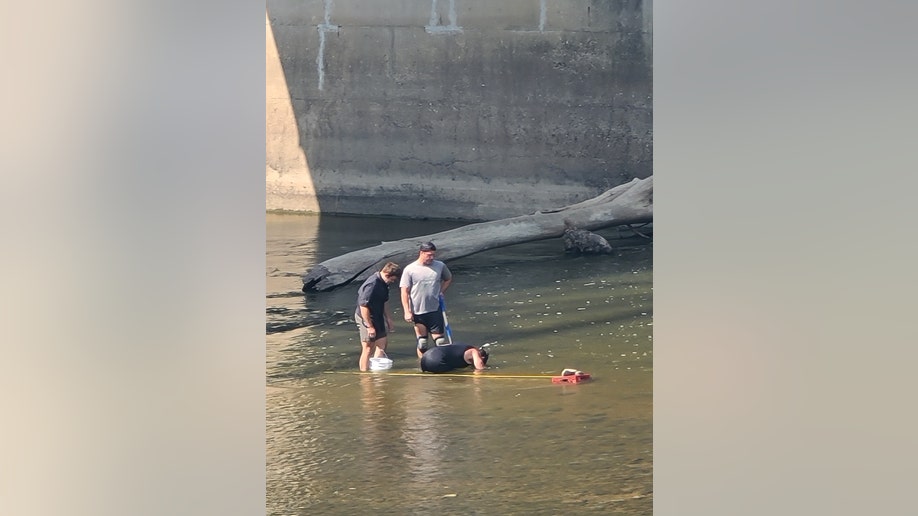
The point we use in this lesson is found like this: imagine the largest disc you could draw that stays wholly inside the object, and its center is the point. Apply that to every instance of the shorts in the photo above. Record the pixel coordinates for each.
(365, 332)
(433, 321)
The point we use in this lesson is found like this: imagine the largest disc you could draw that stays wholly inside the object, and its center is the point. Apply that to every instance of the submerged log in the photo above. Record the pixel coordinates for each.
(586, 242)
(630, 203)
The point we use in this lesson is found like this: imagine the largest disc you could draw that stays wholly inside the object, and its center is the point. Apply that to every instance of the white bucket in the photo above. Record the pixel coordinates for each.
(380, 363)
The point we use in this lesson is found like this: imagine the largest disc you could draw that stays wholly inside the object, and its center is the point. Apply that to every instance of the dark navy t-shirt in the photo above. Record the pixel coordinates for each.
(440, 359)
(374, 293)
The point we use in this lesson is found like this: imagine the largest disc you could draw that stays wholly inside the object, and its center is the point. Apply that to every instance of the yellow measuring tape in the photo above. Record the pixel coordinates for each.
(462, 375)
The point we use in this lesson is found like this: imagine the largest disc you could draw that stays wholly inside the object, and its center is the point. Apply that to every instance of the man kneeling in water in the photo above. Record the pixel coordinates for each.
(441, 359)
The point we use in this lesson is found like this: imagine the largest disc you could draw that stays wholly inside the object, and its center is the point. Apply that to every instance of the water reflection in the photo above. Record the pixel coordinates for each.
(381, 421)
(423, 437)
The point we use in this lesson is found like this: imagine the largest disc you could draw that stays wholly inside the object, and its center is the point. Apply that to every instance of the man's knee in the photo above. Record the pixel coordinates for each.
(441, 341)
(422, 343)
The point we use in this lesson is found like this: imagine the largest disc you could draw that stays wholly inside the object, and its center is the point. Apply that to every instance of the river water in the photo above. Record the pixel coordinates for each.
(343, 442)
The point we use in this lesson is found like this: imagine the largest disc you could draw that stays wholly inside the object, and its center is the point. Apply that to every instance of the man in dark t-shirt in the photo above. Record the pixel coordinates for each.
(441, 359)
(372, 315)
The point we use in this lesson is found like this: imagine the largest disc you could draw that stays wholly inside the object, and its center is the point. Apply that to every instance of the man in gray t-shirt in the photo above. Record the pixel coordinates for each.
(423, 282)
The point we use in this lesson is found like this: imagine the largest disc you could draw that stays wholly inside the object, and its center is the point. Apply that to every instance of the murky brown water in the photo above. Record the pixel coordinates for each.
(341, 442)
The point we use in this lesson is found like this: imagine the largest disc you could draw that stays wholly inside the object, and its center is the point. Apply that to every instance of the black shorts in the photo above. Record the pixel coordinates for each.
(433, 321)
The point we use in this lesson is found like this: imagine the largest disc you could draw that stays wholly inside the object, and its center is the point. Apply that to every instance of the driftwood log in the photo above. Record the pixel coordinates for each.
(586, 242)
(629, 203)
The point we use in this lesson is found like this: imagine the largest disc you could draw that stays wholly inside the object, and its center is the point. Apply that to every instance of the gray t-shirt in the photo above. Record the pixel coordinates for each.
(423, 282)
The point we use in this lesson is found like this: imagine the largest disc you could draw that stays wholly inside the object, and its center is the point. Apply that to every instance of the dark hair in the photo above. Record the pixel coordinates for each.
(484, 354)
(428, 246)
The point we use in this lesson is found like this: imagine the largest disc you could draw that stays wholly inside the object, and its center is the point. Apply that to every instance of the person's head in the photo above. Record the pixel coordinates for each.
(483, 351)
(427, 253)
(390, 272)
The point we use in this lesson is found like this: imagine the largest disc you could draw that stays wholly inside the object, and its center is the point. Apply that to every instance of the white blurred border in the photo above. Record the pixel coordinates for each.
(133, 263)
(783, 342)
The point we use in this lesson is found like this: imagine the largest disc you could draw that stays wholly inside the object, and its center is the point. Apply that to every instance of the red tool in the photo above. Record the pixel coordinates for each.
(571, 376)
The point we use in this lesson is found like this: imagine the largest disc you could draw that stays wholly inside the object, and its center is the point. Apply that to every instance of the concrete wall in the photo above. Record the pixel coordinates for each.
(472, 109)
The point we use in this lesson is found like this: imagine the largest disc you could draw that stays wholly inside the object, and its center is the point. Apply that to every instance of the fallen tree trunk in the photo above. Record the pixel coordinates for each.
(630, 203)
(583, 241)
